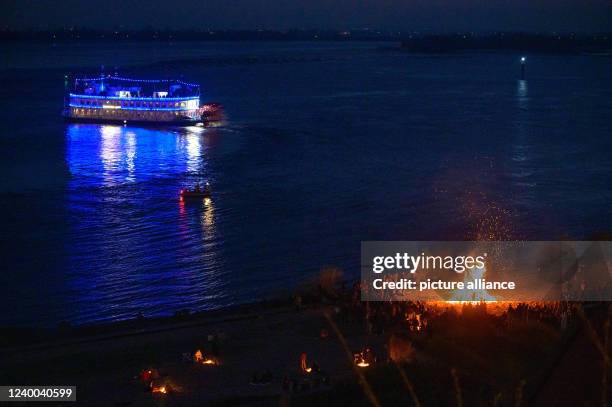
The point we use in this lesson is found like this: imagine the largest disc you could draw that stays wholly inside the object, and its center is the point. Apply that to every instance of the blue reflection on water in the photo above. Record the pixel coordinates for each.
(128, 226)
(118, 154)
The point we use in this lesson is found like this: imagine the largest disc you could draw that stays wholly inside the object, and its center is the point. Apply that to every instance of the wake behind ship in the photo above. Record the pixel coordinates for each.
(113, 99)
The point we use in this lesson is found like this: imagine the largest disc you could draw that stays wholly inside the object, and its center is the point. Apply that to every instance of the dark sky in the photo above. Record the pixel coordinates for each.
(434, 15)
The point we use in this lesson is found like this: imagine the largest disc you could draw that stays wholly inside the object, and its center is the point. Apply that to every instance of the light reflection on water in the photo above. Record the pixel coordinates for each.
(134, 154)
(522, 160)
(109, 149)
(123, 201)
(130, 152)
(194, 148)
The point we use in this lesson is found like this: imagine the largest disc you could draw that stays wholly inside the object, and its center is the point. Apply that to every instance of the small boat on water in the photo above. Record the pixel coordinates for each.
(113, 99)
(212, 114)
(196, 192)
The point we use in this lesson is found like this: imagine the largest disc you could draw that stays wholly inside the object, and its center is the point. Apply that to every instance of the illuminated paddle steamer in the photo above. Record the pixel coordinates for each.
(109, 98)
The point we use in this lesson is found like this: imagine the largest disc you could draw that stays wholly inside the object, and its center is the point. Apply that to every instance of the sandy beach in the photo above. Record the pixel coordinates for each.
(105, 362)
(105, 366)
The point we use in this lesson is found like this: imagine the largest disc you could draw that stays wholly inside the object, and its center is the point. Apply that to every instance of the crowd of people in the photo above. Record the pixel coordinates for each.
(417, 317)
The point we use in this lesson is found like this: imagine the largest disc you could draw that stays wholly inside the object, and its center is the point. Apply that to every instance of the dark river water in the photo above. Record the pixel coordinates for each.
(326, 145)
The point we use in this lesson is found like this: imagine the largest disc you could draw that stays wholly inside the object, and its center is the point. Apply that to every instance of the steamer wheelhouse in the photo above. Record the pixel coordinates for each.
(112, 99)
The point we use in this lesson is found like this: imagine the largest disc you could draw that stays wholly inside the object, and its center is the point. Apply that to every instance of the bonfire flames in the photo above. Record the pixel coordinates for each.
(152, 379)
(476, 295)
(365, 358)
(159, 389)
(360, 361)
(201, 358)
(304, 363)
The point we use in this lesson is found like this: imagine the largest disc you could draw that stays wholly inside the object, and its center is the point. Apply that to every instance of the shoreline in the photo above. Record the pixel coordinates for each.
(41, 337)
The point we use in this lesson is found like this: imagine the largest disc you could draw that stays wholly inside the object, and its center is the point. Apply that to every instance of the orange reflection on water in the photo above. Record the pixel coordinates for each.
(208, 215)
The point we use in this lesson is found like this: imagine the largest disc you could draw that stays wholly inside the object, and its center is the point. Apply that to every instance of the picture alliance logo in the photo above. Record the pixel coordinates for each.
(412, 264)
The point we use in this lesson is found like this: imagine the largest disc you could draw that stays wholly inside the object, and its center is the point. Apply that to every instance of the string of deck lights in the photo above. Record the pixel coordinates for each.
(119, 78)
(127, 99)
